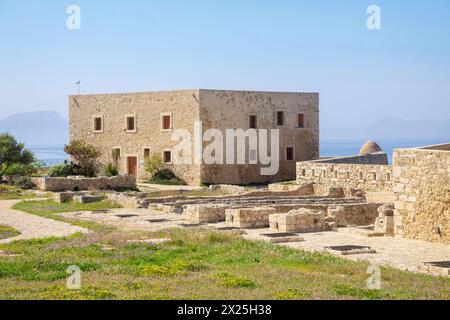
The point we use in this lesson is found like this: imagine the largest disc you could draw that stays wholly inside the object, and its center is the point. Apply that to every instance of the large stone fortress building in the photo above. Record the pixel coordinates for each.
(140, 124)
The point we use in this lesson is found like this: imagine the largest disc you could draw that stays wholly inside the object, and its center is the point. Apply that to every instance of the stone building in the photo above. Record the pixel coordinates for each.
(137, 125)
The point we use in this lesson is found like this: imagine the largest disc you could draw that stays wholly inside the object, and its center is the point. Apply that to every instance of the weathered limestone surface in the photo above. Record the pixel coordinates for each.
(384, 224)
(366, 177)
(301, 220)
(249, 218)
(357, 214)
(208, 213)
(422, 193)
(82, 183)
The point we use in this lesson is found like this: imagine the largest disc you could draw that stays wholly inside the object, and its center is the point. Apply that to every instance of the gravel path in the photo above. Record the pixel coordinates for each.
(31, 226)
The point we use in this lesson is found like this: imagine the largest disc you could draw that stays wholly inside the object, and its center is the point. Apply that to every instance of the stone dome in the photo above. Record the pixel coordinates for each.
(369, 147)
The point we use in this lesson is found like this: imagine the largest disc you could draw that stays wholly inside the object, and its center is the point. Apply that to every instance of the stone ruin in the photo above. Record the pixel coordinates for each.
(384, 223)
(249, 218)
(301, 220)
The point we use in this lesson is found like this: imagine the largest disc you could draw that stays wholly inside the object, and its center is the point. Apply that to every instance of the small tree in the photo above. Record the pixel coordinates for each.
(84, 156)
(153, 164)
(13, 153)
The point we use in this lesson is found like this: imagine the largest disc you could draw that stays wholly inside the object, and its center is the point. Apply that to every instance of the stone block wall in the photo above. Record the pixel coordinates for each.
(422, 193)
(249, 218)
(228, 109)
(205, 213)
(357, 214)
(302, 220)
(81, 183)
(367, 177)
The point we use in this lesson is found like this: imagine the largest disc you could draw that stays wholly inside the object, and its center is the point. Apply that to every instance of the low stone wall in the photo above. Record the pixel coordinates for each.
(302, 220)
(379, 158)
(205, 213)
(129, 201)
(357, 214)
(349, 176)
(82, 183)
(249, 218)
(422, 193)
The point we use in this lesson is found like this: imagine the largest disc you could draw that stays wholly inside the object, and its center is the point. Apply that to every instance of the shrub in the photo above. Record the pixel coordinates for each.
(19, 170)
(24, 183)
(165, 174)
(110, 170)
(61, 170)
(153, 164)
(13, 153)
(167, 177)
(84, 156)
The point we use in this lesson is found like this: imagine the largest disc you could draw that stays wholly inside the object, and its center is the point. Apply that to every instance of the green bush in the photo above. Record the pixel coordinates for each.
(167, 177)
(110, 170)
(24, 183)
(85, 157)
(165, 174)
(12, 153)
(153, 164)
(61, 170)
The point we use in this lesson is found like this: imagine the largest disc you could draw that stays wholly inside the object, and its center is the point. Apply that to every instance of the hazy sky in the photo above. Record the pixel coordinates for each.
(402, 70)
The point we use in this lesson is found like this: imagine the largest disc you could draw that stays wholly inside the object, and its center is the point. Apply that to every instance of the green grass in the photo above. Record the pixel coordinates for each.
(12, 193)
(7, 232)
(195, 264)
(51, 209)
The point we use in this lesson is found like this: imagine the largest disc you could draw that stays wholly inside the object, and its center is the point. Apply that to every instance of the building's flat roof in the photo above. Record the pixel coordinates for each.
(193, 90)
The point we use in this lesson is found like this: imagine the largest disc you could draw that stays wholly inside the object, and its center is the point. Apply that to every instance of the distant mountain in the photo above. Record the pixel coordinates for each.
(37, 128)
(391, 129)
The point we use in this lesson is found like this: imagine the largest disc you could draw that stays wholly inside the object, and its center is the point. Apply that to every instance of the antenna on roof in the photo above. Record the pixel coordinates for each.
(78, 83)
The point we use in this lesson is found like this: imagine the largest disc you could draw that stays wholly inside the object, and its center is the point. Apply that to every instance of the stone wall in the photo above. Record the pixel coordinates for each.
(222, 109)
(372, 158)
(422, 193)
(81, 183)
(148, 109)
(367, 177)
(357, 214)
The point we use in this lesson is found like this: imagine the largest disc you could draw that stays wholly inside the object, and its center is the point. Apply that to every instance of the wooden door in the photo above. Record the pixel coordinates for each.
(132, 166)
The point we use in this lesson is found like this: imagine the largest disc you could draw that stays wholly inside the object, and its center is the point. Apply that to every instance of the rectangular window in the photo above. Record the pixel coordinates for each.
(146, 152)
(252, 122)
(167, 156)
(360, 175)
(280, 118)
(301, 120)
(131, 123)
(166, 122)
(98, 124)
(289, 153)
(388, 176)
(303, 172)
(374, 176)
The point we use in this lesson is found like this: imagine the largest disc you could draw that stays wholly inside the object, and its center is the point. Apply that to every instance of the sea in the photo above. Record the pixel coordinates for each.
(54, 154)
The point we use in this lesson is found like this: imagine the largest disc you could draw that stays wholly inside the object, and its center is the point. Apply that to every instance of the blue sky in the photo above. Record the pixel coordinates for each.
(402, 70)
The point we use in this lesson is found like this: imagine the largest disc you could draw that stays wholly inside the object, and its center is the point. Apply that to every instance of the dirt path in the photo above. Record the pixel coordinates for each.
(31, 226)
